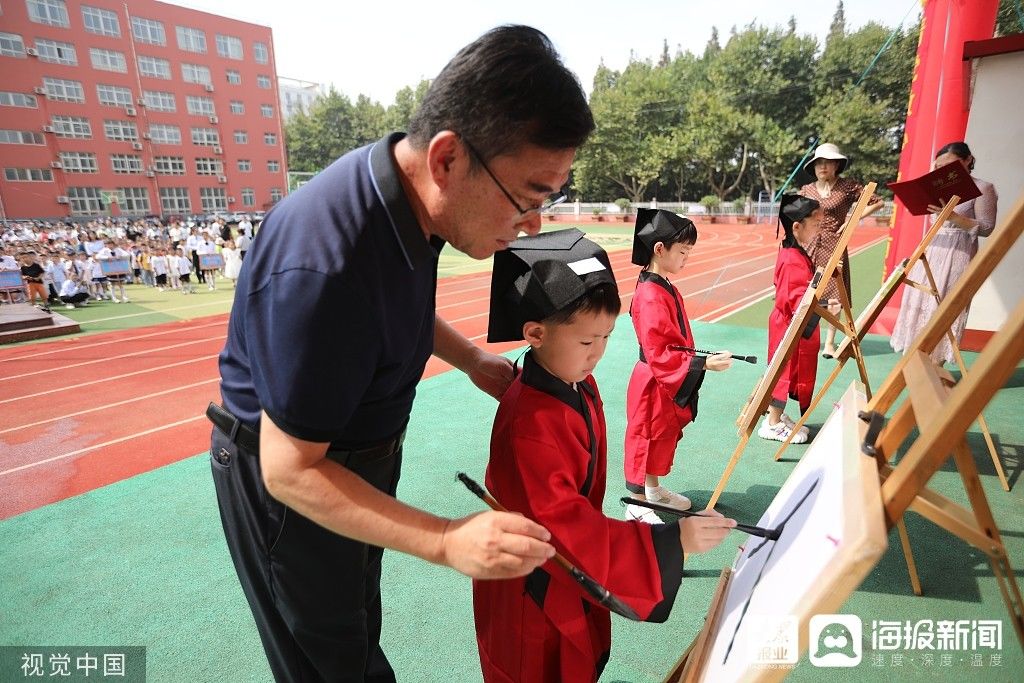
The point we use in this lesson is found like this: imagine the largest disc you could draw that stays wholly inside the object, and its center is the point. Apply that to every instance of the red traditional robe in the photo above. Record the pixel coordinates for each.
(662, 395)
(548, 461)
(793, 273)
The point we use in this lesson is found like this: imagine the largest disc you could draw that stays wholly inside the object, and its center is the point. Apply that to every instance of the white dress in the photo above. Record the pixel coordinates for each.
(232, 263)
(948, 256)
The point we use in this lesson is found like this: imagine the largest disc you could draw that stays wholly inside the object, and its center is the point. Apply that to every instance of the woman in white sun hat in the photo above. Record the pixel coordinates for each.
(836, 196)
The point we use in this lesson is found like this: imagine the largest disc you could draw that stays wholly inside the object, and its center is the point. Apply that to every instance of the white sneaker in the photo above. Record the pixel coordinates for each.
(663, 496)
(69, 305)
(125, 300)
(779, 432)
(789, 423)
(115, 299)
(635, 513)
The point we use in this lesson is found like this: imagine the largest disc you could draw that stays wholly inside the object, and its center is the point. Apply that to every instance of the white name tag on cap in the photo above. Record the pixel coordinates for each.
(587, 265)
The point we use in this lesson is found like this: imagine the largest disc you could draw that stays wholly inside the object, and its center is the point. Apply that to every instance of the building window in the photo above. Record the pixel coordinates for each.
(164, 134)
(108, 60)
(120, 131)
(63, 90)
(17, 99)
(154, 67)
(194, 73)
(175, 200)
(148, 31)
(208, 166)
(263, 82)
(270, 138)
(234, 77)
(241, 137)
(114, 95)
(136, 200)
(11, 45)
(267, 110)
(29, 175)
(229, 46)
(101, 21)
(126, 163)
(55, 52)
(244, 165)
(72, 127)
(213, 199)
(169, 165)
(191, 39)
(237, 107)
(21, 137)
(205, 136)
(159, 101)
(49, 12)
(276, 194)
(260, 53)
(200, 106)
(273, 166)
(248, 196)
(79, 162)
(85, 200)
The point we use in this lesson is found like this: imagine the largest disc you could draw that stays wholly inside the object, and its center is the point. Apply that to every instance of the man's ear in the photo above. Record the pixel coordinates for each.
(533, 333)
(443, 154)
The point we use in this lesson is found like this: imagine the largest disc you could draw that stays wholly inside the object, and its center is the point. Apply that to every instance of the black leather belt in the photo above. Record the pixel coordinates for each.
(248, 439)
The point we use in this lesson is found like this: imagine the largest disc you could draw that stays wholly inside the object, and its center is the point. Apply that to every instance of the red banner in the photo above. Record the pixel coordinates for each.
(937, 111)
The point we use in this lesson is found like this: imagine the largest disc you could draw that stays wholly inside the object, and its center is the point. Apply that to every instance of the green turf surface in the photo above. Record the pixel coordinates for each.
(143, 561)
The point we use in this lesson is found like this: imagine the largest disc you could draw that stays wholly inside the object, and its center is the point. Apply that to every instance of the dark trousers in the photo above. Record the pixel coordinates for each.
(195, 267)
(75, 298)
(315, 595)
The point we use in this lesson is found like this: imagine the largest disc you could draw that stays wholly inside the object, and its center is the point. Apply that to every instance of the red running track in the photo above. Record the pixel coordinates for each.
(82, 413)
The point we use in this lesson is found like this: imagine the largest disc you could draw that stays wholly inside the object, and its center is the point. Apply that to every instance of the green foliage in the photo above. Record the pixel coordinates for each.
(623, 204)
(728, 122)
(710, 202)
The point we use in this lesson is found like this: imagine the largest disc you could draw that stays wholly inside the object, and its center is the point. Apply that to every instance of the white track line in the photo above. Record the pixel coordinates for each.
(101, 445)
(107, 379)
(105, 359)
(76, 347)
(110, 405)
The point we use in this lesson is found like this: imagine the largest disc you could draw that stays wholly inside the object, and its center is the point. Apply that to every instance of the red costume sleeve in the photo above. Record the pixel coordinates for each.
(656, 319)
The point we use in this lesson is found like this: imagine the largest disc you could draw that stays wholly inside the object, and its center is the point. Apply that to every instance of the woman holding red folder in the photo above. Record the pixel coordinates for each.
(951, 250)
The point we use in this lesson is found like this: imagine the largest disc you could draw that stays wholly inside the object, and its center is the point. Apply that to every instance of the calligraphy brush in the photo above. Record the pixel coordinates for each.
(770, 534)
(746, 359)
(592, 587)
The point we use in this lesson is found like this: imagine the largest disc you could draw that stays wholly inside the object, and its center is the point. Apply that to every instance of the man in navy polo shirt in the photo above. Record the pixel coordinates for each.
(332, 325)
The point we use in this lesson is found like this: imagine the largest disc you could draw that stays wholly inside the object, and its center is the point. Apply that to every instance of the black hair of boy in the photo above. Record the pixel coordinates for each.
(604, 298)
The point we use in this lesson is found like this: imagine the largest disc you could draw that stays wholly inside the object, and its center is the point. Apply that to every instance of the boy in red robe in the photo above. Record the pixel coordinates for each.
(801, 220)
(548, 461)
(662, 395)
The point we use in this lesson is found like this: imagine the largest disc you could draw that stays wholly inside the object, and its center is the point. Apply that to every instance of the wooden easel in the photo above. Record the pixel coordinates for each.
(758, 402)
(850, 346)
(942, 416)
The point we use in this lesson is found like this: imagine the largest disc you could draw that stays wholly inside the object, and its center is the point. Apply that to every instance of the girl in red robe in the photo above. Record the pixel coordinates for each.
(801, 220)
(662, 395)
(549, 462)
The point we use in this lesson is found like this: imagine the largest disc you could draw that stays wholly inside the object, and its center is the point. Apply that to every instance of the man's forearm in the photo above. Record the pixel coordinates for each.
(451, 347)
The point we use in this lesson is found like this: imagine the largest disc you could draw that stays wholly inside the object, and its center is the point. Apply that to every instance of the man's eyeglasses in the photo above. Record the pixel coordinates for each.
(552, 199)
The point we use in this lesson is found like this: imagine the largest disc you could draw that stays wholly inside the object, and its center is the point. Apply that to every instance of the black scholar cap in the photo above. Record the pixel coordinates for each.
(653, 226)
(535, 277)
(793, 208)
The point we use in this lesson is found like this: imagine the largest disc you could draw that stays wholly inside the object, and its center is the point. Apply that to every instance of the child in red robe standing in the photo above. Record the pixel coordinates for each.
(662, 395)
(549, 461)
(801, 220)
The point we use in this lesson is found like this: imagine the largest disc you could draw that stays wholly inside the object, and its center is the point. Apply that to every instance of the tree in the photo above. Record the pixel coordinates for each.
(407, 101)
(635, 113)
(1010, 18)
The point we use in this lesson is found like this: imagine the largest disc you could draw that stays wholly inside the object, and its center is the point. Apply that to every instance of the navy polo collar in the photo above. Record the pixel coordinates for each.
(385, 177)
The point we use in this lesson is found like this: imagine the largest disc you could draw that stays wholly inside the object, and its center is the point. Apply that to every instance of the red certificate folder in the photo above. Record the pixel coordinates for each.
(935, 188)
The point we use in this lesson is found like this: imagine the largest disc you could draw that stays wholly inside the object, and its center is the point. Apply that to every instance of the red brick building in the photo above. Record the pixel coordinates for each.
(135, 109)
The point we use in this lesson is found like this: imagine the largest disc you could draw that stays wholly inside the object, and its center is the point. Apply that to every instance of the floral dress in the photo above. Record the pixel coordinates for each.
(948, 255)
(835, 206)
